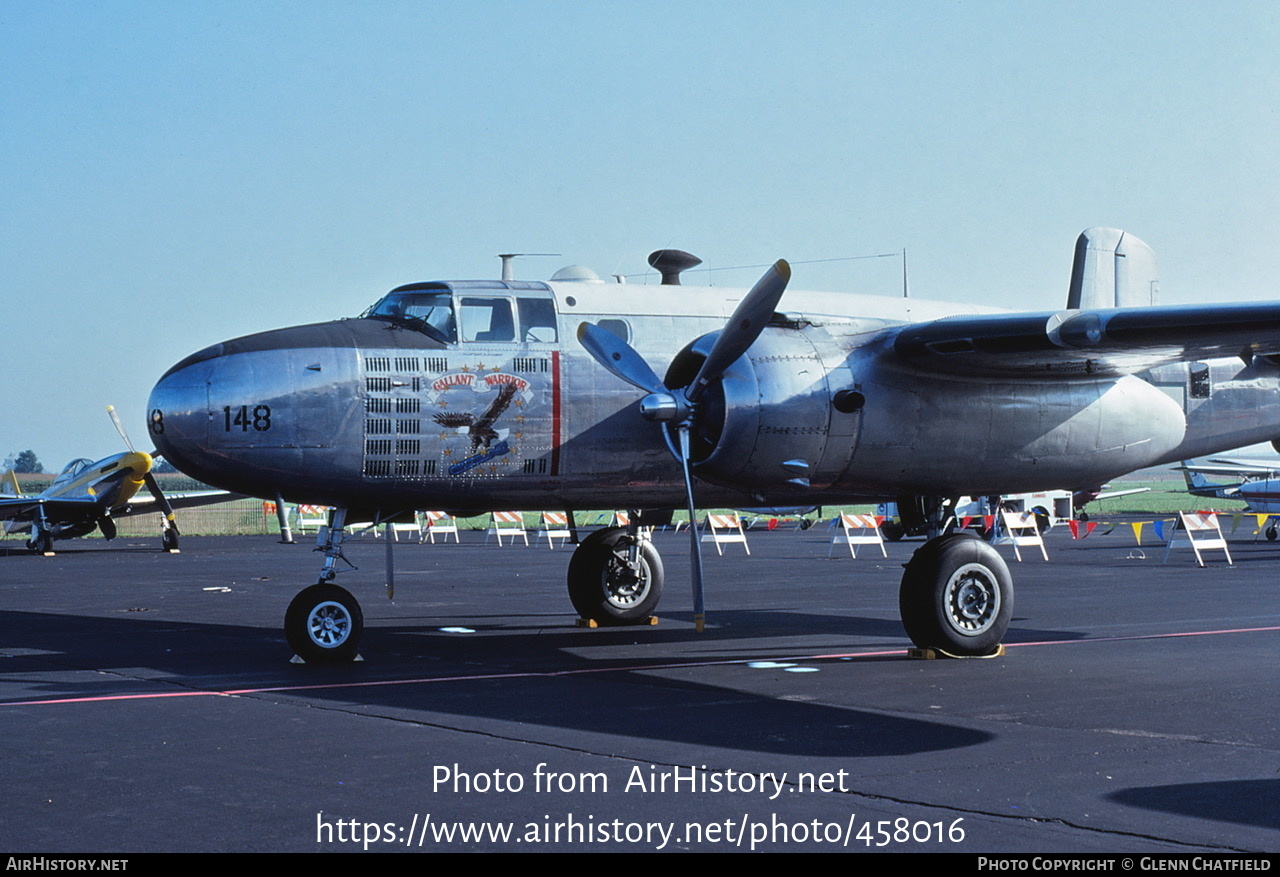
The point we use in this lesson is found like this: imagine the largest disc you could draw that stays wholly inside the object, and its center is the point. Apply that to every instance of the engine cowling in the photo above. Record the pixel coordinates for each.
(769, 425)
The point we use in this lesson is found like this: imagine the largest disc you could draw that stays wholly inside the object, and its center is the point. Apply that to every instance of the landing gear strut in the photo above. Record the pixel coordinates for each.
(41, 542)
(957, 596)
(615, 576)
(324, 622)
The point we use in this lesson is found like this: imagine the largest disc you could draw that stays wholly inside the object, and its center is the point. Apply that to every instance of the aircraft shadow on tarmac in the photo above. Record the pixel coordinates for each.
(1246, 802)
(543, 685)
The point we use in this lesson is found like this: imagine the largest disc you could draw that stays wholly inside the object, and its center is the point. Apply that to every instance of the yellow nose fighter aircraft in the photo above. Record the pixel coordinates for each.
(85, 495)
(90, 494)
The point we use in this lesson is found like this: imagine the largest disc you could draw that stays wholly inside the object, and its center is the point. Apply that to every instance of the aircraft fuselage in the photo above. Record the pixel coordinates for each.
(499, 406)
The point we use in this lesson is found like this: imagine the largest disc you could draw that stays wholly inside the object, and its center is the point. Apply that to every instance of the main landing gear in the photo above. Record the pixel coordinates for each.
(615, 576)
(956, 596)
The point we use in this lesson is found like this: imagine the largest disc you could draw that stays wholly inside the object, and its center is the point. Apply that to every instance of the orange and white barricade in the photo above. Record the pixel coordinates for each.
(1022, 530)
(858, 530)
(507, 524)
(723, 529)
(314, 517)
(442, 523)
(413, 526)
(555, 525)
(1202, 532)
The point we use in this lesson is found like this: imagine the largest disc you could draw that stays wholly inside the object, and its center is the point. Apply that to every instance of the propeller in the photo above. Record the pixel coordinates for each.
(678, 408)
(170, 520)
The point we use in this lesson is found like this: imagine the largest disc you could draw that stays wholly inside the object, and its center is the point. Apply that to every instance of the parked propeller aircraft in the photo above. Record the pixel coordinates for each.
(89, 495)
(1257, 484)
(475, 395)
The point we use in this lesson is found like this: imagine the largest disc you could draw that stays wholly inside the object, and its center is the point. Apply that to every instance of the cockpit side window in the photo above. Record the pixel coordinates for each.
(537, 319)
(429, 312)
(487, 319)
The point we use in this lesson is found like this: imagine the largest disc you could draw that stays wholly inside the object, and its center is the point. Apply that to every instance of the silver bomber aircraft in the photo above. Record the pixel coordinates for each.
(504, 394)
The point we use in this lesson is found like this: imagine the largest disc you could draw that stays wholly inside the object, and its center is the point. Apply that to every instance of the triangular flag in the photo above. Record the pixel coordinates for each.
(1137, 530)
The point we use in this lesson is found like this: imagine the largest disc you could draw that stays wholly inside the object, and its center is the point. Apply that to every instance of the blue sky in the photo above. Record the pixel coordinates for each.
(178, 173)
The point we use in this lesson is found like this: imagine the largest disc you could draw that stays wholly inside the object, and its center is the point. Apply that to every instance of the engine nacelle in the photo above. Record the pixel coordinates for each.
(769, 426)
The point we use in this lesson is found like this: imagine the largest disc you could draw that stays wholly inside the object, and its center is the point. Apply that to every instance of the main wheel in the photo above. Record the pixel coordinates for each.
(41, 543)
(602, 584)
(169, 539)
(956, 595)
(323, 624)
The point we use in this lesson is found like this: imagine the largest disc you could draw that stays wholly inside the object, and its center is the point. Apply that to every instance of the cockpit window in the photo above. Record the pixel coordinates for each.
(429, 312)
(487, 319)
(537, 319)
(71, 470)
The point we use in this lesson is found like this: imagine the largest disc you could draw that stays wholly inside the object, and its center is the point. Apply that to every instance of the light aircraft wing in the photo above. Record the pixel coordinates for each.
(1229, 467)
(1108, 341)
(23, 507)
(141, 505)
(1112, 494)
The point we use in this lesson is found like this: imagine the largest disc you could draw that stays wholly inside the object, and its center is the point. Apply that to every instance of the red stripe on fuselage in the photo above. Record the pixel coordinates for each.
(555, 412)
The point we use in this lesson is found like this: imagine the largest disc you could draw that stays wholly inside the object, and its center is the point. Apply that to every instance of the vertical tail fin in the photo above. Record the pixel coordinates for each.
(1112, 269)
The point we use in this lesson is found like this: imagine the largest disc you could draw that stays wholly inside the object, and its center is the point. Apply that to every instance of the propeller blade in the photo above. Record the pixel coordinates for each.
(115, 418)
(619, 358)
(744, 327)
(695, 546)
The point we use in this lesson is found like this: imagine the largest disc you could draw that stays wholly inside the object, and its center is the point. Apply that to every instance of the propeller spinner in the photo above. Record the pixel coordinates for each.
(678, 408)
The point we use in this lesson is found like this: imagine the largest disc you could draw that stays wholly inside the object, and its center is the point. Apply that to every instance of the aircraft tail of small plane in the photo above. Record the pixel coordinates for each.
(1112, 269)
(1199, 485)
(9, 484)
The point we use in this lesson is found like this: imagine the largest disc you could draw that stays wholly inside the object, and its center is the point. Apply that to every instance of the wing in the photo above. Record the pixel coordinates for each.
(23, 508)
(1103, 341)
(143, 504)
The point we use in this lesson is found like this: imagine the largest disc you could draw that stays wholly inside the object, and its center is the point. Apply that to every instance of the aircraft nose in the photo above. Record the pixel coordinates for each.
(178, 413)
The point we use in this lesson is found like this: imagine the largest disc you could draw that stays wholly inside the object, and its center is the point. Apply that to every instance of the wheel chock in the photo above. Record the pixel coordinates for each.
(651, 621)
(298, 659)
(932, 654)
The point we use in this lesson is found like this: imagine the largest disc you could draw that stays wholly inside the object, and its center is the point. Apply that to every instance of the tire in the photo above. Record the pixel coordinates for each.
(1271, 534)
(41, 543)
(323, 624)
(169, 539)
(892, 530)
(602, 587)
(957, 596)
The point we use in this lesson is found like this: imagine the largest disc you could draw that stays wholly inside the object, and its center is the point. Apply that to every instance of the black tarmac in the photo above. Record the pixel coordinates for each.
(147, 703)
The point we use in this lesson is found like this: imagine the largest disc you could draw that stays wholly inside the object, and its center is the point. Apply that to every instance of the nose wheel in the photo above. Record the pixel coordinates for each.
(323, 624)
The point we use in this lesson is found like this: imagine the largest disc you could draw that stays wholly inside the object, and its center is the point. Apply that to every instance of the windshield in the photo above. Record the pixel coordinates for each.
(429, 312)
(71, 470)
